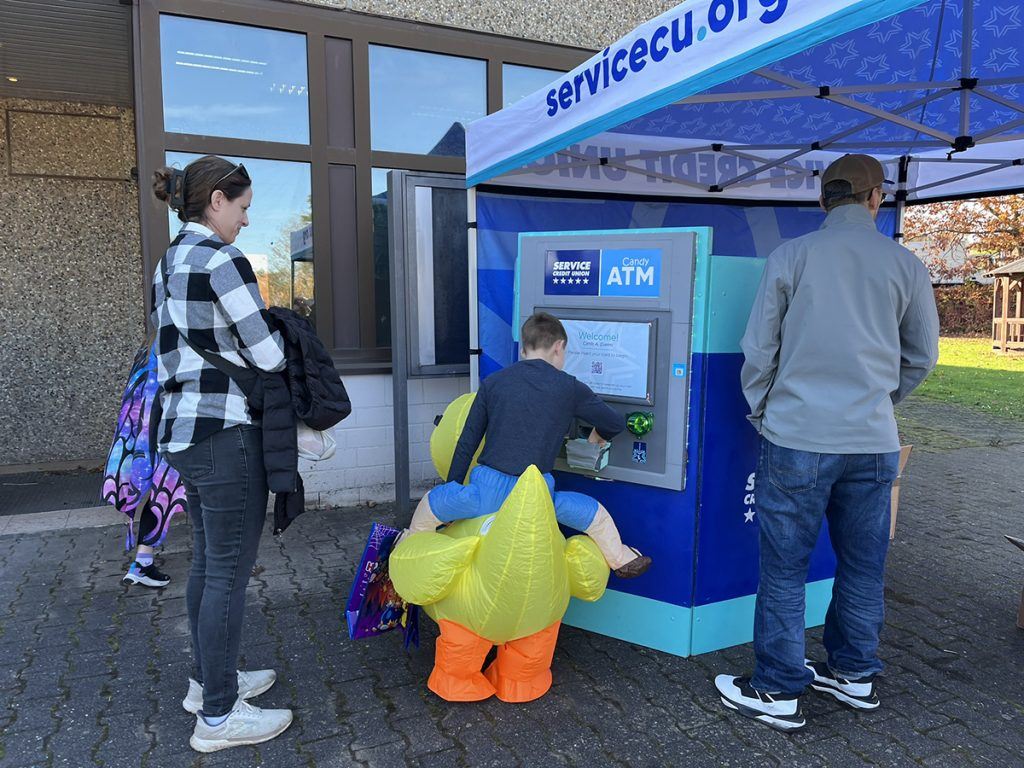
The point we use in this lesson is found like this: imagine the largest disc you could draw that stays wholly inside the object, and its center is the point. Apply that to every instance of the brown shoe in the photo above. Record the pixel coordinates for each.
(635, 567)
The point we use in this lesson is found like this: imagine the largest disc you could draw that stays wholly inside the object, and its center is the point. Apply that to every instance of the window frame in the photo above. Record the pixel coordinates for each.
(318, 24)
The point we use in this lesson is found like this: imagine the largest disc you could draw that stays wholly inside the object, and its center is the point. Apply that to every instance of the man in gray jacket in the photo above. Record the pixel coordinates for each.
(844, 327)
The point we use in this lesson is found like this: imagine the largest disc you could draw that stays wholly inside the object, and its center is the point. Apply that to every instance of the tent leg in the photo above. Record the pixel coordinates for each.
(474, 309)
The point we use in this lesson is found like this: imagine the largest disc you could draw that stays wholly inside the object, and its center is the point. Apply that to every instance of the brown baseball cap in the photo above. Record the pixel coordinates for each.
(863, 172)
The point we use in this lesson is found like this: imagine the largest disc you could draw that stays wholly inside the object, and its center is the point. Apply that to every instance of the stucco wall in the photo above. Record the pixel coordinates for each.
(70, 277)
(591, 25)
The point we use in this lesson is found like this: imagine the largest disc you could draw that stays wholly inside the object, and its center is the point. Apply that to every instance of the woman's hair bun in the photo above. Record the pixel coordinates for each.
(161, 183)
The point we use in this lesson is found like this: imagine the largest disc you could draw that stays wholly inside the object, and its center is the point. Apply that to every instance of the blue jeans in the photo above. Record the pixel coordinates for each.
(487, 490)
(795, 490)
(226, 490)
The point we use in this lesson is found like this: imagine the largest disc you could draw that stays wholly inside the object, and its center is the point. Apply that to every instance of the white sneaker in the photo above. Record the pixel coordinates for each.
(245, 724)
(780, 711)
(857, 693)
(250, 685)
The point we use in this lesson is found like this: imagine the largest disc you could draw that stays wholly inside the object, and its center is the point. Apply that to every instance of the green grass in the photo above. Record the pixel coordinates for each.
(969, 373)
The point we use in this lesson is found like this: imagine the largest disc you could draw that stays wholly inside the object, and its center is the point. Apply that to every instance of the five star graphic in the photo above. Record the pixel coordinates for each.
(841, 54)
(1003, 20)
(881, 34)
(873, 67)
(916, 42)
(748, 516)
(1001, 59)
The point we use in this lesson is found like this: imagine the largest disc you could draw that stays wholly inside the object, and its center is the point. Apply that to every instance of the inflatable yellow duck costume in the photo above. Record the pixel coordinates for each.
(501, 579)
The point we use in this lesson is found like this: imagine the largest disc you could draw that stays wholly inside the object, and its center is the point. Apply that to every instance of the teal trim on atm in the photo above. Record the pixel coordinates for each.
(651, 623)
(731, 622)
(734, 283)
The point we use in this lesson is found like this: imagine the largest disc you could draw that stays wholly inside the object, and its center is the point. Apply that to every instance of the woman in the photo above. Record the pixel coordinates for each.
(205, 297)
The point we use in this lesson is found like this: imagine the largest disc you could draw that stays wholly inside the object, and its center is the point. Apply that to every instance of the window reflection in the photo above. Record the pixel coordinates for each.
(518, 81)
(279, 239)
(381, 265)
(421, 102)
(232, 80)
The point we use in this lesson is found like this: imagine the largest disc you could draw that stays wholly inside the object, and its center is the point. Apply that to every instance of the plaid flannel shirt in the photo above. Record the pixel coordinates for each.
(214, 300)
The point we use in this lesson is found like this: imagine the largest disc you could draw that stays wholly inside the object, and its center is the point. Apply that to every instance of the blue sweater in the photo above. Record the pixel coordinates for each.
(525, 411)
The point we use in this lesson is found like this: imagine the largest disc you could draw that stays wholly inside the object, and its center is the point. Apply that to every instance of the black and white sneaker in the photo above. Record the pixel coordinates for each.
(147, 575)
(858, 694)
(777, 710)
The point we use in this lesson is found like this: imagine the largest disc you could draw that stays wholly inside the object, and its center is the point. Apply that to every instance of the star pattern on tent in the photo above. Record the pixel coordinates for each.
(755, 108)
(930, 9)
(916, 43)
(1002, 59)
(901, 75)
(787, 114)
(1003, 20)
(956, 41)
(664, 122)
(892, 52)
(840, 54)
(781, 137)
(821, 118)
(884, 31)
(873, 67)
(804, 74)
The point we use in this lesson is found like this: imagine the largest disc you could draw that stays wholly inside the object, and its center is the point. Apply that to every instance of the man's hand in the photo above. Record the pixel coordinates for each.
(595, 438)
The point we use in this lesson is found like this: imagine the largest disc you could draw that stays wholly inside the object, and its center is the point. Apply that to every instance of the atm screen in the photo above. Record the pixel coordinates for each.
(612, 357)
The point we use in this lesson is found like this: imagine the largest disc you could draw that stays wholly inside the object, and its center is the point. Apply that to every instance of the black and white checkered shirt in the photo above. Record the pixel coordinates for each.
(215, 300)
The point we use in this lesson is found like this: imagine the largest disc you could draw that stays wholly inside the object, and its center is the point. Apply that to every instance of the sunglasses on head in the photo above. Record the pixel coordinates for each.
(239, 168)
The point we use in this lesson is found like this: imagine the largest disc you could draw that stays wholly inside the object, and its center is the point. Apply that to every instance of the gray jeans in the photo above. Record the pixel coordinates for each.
(226, 489)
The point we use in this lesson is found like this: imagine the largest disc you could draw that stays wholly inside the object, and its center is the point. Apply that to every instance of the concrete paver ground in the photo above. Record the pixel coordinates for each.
(92, 673)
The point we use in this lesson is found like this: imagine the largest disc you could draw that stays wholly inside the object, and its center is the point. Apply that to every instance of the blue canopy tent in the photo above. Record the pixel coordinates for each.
(723, 114)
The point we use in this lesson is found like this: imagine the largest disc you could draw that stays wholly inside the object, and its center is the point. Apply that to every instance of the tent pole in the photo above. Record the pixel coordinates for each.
(965, 67)
(961, 177)
(834, 138)
(892, 117)
(901, 198)
(474, 309)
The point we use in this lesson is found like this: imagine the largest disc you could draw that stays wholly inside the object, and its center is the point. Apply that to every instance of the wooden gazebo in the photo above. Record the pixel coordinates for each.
(1008, 307)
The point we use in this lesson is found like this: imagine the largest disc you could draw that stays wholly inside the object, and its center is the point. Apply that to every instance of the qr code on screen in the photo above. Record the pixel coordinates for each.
(597, 367)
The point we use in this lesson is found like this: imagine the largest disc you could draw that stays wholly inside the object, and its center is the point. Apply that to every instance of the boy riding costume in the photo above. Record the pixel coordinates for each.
(501, 573)
(522, 414)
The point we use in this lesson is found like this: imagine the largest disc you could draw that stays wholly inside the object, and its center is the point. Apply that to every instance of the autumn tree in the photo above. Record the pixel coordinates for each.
(989, 232)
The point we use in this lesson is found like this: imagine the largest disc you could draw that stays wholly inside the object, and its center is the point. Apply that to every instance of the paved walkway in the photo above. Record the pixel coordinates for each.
(92, 673)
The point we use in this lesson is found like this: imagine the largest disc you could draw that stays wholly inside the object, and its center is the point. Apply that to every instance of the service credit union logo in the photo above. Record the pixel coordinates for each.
(634, 272)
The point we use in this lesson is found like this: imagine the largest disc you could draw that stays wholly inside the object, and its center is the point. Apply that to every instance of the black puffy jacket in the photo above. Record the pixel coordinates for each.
(318, 399)
(318, 394)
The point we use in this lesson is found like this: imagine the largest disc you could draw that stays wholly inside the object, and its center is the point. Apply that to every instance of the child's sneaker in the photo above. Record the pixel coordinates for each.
(147, 575)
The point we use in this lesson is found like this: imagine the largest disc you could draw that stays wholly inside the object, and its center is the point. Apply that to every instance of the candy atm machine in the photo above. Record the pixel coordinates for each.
(654, 322)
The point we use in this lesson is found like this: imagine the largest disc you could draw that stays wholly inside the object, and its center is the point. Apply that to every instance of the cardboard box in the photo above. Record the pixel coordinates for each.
(904, 455)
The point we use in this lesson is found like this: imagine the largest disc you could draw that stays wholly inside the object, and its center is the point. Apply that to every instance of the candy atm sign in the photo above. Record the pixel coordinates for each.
(633, 272)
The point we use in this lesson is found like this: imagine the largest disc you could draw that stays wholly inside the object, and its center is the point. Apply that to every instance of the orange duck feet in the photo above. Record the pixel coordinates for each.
(522, 671)
(458, 657)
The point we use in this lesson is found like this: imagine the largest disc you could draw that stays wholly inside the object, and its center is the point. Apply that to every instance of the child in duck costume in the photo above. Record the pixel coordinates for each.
(502, 573)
